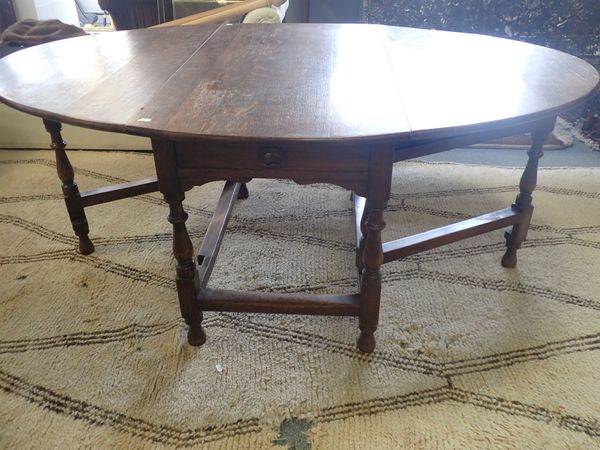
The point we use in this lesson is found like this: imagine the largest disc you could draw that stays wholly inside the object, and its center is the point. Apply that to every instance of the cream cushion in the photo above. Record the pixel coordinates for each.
(268, 14)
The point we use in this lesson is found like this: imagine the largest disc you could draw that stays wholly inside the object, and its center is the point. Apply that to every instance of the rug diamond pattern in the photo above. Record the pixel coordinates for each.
(94, 344)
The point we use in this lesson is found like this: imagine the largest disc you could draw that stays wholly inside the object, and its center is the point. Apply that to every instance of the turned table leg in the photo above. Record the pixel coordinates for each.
(183, 250)
(371, 281)
(186, 271)
(69, 188)
(380, 179)
(523, 203)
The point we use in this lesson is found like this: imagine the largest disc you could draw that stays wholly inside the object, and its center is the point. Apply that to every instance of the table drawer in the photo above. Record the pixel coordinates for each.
(309, 163)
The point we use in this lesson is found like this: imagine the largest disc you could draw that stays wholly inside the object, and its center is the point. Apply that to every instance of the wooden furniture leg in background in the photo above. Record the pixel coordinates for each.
(380, 179)
(243, 193)
(131, 14)
(523, 203)
(361, 212)
(8, 15)
(70, 190)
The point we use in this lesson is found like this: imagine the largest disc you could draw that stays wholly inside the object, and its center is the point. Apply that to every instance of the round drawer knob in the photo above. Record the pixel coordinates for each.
(271, 156)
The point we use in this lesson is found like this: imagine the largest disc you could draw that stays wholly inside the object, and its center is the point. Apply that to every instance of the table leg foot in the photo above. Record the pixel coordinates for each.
(243, 193)
(196, 335)
(366, 342)
(85, 245)
(514, 239)
(509, 260)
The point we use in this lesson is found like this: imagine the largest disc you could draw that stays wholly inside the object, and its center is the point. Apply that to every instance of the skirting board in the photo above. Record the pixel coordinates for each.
(20, 130)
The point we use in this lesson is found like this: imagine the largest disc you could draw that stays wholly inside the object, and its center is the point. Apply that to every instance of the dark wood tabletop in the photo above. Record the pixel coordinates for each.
(292, 82)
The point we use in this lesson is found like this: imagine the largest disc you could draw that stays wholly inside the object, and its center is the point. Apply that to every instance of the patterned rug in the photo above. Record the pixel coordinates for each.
(469, 355)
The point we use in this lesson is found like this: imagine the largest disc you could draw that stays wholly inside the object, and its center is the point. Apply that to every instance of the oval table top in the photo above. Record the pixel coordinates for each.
(292, 82)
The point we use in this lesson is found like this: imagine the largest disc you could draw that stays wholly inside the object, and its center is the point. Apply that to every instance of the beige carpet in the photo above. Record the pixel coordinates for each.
(469, 355)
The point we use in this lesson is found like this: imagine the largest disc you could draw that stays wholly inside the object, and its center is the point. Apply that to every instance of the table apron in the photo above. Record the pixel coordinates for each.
(346, 166)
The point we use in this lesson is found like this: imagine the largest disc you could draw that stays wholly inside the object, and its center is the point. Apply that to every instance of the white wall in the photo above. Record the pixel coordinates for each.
(25, 9)
(19, 130)
(63, 10)
(90, 5)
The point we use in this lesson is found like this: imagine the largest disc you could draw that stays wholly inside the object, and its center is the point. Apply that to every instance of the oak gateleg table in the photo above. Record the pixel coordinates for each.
(336, 104)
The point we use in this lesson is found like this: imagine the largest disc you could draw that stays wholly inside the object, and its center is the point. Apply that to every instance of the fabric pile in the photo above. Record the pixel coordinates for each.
(29, 32)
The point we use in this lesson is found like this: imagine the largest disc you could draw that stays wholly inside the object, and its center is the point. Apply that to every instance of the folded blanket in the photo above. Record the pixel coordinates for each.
(28, 32)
